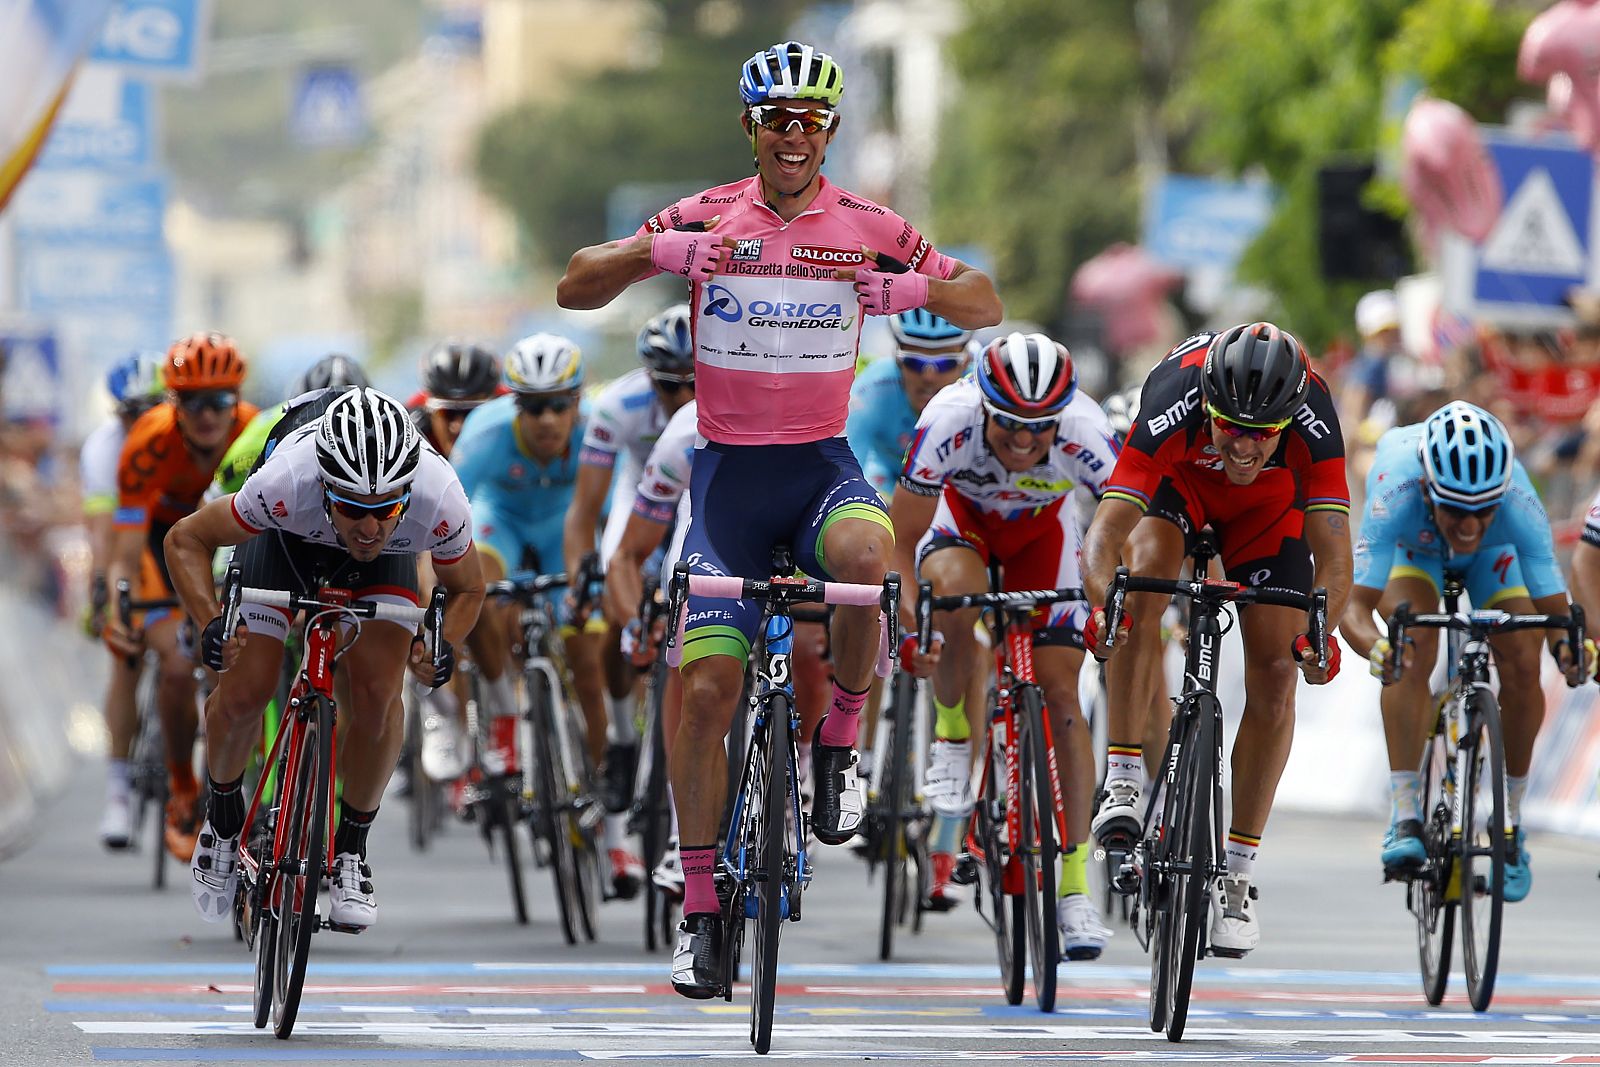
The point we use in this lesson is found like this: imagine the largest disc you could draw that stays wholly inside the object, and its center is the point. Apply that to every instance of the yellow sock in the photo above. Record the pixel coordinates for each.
(1075, 870)
(950, 723)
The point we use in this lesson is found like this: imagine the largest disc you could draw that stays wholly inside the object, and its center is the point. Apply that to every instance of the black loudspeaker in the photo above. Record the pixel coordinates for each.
(1354, 242)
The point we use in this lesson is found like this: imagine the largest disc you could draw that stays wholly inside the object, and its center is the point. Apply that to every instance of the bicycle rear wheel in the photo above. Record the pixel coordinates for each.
(1425, 894)
(650, 815)
(1009, 920)
(1484, 842)
(305, 805)
(1039, 848)
(772, 877)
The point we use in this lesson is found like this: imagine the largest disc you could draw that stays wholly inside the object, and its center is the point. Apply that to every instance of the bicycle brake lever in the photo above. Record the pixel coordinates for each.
(1115, 596)
(1319, 627)
(925, 617)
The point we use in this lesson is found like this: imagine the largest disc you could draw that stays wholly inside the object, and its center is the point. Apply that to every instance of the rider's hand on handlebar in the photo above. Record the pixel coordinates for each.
(121, 640)
(1382, 663)
(1562, 651)
(1094, 628)
(1306, 656)
(423, 667)
(217, 653)
(920, 665)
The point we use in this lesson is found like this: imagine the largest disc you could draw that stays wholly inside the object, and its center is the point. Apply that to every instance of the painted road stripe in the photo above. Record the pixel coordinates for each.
(281, 1052)
(1131, 993)
(958, 1011)
(896, 971)
(810, 1033)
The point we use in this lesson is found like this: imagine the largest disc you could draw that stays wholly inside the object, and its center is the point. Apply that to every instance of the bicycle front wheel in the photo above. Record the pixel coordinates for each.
(1039, 849)
(772, 832)
(1426, 894)
(890, 826)
(305, 805)
(1187, 898)
(1009, 919)
(1485, 837)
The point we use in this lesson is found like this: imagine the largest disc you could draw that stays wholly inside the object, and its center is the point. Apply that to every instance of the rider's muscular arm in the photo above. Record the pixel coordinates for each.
(1114, 521)
(462, 579)
(624, 583)
(189, 547)
(967, 298)
(583, 514)
(1328, 535)
(598, 274)
(1586, 579)
(911, 514)
(1357, 624)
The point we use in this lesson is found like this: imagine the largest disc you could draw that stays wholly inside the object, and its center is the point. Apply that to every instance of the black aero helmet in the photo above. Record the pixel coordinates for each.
(1256, 374)
(460, 370)
(335, 370)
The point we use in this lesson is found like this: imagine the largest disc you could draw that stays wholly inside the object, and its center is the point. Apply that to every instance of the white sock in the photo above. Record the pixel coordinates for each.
(616, 831)
(1240, 853)
(117, 778)
(502, 695)
(620, 727)
(1124, 763)
(1516, 786)
(1405, 796)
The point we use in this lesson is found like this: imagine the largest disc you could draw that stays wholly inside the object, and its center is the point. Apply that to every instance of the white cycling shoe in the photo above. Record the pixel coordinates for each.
(1234, 930)
(949, 775)
(1119, 811)
(214, 874)
(668, 875)
(444, 750)
(1083, 934)
(350, 892)
(116, 822)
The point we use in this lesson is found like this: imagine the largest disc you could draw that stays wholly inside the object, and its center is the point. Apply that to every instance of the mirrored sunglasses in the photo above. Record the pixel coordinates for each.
(778, 119)
(1239, 429)
(936, 364)
(356, 510)
(209, 400)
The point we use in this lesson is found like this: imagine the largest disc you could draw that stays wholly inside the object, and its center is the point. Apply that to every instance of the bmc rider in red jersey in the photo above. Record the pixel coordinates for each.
(778, 287)
(1236, 431)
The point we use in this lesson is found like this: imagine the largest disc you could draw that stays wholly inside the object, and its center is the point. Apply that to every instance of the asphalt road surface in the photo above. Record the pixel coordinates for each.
(97, 966)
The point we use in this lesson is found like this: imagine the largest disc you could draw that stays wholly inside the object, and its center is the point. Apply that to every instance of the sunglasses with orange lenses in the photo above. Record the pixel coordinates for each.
(1239, 429)
(356, 510)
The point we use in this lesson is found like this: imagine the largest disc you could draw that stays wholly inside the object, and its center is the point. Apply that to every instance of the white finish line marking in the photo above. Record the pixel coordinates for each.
(832, 1031)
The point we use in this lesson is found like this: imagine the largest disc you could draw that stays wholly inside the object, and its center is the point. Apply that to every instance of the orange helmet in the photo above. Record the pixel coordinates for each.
(204, 361)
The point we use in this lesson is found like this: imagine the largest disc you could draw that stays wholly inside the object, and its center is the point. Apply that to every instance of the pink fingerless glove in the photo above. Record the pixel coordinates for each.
(882, 293)
(691, 254)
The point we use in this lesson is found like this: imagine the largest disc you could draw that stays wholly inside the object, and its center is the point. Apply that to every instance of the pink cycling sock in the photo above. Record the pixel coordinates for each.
(699, 889)
(844, 717)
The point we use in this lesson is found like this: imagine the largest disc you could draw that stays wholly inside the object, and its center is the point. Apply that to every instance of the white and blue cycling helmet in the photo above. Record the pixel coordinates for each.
(920, 328)
(790, 70)
(1466, 457)
(134, 381)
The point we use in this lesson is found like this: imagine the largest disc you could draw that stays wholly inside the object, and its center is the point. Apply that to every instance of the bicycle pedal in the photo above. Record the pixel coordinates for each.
(343, 928)
(965, 871)
(1227, 953)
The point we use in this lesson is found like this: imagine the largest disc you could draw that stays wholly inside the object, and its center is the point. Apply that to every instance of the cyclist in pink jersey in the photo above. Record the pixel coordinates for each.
(781, 267)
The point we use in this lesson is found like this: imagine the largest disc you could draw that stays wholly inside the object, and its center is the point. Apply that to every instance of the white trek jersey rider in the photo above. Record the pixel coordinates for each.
(286, 495)
(624, 422)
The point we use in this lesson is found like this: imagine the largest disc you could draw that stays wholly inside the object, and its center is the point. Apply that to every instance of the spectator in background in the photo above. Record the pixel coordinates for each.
(1383, 376)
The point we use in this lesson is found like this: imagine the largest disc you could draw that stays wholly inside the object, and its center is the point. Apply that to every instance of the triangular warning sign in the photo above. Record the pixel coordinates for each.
(1534, 234)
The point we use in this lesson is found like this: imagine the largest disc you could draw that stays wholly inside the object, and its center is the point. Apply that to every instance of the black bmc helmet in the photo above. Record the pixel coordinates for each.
(459, 370)
(1256, 374)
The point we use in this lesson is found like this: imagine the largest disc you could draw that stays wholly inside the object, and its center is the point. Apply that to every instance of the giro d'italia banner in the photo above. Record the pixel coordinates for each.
(41, 42)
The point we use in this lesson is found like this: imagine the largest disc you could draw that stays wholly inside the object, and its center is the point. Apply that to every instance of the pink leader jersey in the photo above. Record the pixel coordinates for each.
(776, 335)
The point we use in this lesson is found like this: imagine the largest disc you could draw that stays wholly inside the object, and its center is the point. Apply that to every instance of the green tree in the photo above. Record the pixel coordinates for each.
(1062, 110)
(1310, 92)
(554, 166)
